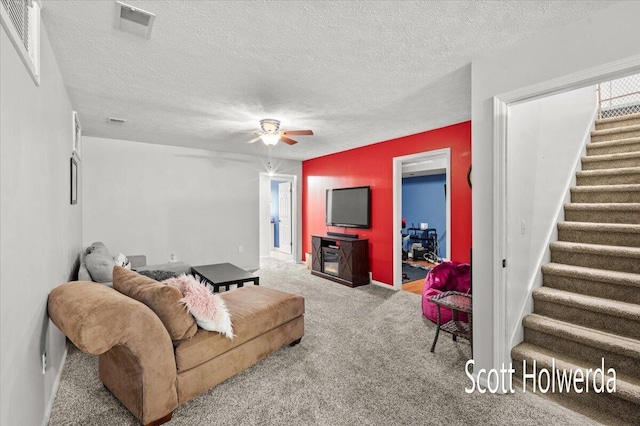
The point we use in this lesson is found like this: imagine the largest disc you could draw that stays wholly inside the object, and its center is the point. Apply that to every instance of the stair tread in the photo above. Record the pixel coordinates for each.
(621, 129)
(615, 308)
(594, 226)
(609, 172)
(596, 248)
(626, 187)
(618, 118)
(599, 339)
(603, 206)
(593, 274)
(627, 386)
(615, 142)
(610, 157)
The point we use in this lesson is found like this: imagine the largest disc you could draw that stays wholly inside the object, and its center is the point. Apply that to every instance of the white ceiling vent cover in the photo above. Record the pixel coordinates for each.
(133, 20)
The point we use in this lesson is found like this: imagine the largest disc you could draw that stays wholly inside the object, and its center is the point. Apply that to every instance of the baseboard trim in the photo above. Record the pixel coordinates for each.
(54, 389)
(484, 382)
(383, 285)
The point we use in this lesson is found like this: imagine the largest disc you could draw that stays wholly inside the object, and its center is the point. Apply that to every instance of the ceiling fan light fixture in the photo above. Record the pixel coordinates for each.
(270, 138)
(270, 125)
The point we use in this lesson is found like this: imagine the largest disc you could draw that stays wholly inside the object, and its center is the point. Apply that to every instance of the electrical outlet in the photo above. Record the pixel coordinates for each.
(44, 363)
(172, 258)
(240, 249)
(523, 226)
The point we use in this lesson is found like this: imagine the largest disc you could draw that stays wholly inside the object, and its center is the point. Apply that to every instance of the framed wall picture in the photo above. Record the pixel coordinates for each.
(77, 136)
(74, 180)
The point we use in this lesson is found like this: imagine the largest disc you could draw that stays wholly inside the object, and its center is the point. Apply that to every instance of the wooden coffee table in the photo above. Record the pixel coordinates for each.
(224, 275)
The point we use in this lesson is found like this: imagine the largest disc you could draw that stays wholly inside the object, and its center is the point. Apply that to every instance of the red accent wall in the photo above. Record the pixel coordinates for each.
(372, 165)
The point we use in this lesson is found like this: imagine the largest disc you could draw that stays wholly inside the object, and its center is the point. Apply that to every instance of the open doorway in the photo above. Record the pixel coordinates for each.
(281, 232)
(422, 216)
(278, 222)
(507, 318)
(423, 223)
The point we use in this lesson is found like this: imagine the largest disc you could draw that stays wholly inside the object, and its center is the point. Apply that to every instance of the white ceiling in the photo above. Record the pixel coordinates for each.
(355, 73)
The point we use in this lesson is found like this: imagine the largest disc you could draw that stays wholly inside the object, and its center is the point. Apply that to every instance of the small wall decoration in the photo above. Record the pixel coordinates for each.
(74, 181)
(77, 136)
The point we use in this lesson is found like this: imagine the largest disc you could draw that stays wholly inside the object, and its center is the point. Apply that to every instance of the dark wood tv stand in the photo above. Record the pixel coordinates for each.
(340, 259)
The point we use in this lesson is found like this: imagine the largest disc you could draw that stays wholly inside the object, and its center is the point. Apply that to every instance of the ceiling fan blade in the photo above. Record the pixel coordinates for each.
(297, 132)
(254, 140)
(288, 141)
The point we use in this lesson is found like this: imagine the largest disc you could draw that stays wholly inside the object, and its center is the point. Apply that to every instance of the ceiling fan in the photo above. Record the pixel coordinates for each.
(271, 133)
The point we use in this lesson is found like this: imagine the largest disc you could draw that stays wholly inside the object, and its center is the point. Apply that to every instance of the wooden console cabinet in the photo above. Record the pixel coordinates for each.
(340, 259)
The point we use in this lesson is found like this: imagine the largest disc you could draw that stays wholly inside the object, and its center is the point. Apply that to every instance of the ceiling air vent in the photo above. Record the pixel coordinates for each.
(133, 20)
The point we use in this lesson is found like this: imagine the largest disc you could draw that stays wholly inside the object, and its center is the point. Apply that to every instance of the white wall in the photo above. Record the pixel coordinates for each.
(546, 139)
(40, 231)
(160, 200)
(608, 35)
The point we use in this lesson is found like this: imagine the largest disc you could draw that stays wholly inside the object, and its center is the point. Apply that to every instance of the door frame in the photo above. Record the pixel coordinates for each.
(501, 107)
(264, 223)
(398, 163)
(279, 248)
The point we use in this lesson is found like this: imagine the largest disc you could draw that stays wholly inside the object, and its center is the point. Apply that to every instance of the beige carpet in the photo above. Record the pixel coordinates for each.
(364, 360)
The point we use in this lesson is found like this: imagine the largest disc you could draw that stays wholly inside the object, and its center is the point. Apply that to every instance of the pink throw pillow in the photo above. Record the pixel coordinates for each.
(207, 308)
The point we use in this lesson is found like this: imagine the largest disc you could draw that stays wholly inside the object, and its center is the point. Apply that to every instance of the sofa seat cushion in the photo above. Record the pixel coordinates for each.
(254, 310)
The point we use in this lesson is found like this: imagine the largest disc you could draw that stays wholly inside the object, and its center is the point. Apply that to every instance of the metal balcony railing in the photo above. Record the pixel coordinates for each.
(619, 97)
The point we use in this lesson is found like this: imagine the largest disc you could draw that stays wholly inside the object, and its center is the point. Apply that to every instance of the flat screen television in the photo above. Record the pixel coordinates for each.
(349, 207)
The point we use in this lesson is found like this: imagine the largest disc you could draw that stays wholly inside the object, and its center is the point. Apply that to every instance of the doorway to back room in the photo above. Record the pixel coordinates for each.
(424, 219)
(422, 210)
(281, 235)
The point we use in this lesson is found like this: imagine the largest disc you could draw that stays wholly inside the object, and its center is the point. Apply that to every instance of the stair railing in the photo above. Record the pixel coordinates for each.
(619, 97)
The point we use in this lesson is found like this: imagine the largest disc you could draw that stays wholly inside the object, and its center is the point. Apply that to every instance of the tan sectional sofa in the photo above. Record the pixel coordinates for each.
(153, 357)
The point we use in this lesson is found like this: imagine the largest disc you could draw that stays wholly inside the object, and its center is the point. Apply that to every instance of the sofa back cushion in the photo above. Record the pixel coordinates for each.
(163, 299)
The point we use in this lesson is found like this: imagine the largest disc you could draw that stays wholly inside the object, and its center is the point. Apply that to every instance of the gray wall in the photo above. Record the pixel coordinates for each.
(608, 35)
(160, 200)
(40, 231)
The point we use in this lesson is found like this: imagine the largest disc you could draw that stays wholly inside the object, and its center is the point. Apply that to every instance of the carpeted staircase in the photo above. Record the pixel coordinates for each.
(589, 305)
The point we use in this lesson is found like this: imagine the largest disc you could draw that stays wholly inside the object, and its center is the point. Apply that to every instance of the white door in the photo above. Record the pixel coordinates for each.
(284, 202)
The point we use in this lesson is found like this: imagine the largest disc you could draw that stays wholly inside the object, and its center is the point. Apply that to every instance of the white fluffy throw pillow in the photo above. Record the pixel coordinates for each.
(207, 308)
(122, 260)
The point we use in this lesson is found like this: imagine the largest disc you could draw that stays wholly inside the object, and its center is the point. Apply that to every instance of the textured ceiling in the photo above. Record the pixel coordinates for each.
(355, 72)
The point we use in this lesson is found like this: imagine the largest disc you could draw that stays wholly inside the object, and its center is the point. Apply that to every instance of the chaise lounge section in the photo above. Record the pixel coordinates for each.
(153, 358)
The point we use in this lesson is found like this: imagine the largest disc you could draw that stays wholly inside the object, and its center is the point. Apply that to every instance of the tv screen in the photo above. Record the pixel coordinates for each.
(349, 207)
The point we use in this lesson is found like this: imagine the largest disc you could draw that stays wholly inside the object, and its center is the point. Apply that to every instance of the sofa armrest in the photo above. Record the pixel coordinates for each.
(97, 318)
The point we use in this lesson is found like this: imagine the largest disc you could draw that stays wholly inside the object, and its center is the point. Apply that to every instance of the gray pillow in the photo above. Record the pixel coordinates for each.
(99, 263)
(98, 247)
